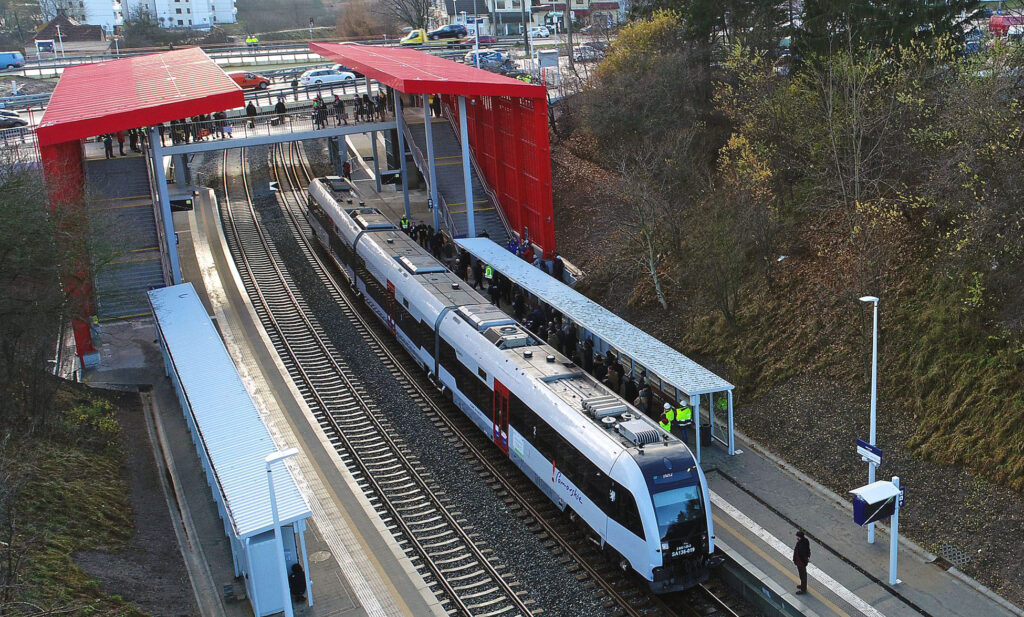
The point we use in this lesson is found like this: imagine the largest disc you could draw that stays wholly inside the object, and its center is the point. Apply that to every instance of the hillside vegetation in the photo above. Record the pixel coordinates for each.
(754, 208)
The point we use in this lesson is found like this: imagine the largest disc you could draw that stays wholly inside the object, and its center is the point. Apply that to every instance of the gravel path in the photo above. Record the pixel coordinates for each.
(554, 589)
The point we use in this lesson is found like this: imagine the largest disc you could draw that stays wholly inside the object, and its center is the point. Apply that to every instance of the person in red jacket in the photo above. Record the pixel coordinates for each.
(802, 557)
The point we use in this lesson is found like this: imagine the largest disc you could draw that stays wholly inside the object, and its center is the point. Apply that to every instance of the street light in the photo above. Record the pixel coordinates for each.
(272, 458)
(874, 396)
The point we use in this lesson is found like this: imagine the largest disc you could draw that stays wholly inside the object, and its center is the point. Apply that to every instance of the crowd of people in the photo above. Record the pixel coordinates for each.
(136, 139)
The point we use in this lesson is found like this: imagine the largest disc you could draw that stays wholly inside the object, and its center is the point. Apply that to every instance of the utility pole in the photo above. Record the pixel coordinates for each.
(60, 39)
(568, 32)
(476, 35)
(526, 29)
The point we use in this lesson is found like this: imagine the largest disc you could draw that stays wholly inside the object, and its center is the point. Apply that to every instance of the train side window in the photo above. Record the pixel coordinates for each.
(624, 510)
(481, 373)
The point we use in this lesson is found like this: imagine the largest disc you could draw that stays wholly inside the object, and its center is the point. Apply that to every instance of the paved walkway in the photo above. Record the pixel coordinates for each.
(760, 502)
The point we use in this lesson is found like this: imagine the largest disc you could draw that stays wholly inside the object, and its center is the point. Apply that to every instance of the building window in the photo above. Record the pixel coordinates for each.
(214, 19)
(516, 4)
(190, 22)
(189, 11)
(180, 23)
(501, 5)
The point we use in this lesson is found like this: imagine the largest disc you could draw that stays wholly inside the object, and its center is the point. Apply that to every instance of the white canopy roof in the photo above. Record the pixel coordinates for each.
(230, 430)
(659, 359)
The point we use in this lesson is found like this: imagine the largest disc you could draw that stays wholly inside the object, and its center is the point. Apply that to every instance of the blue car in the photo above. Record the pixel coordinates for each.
(11, 59)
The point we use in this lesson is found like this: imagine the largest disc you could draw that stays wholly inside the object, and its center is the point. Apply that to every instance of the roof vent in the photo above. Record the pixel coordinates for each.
(455, 285)
(550, 358)
(391, 240)
(527, 354)
(639, 432)
(609, 420)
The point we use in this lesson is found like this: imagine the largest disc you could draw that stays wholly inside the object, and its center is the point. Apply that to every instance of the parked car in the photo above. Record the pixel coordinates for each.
(250, 81)
(7, 113)
(539, 32)
(585, 53)
(326, 76)
(11, 59)
(451, 31)
(490, 59)
(6, 122)
(485, 39)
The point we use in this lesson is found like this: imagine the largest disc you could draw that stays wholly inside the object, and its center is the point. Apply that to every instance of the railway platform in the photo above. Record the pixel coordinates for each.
(356, 566)
(759, 502)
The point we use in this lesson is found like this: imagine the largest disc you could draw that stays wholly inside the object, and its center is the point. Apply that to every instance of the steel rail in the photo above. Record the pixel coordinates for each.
(383, 350)
(397, 512)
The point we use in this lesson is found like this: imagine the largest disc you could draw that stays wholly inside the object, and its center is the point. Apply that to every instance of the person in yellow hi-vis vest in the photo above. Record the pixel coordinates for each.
(684, 420)
(667, 417)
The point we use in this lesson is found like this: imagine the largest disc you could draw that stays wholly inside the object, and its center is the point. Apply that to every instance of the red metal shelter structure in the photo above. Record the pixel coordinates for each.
(507, 121)
(106, 97)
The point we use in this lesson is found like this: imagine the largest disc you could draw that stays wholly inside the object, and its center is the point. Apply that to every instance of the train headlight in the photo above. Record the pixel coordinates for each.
(664, 546)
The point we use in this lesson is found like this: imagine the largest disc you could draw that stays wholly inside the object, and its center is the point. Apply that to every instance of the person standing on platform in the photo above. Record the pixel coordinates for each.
(684, 419)
(120, 142)
(339, 111)
(802, 557)
(295, 88)
(478, 275)
(346, 169)
(297, 583)
(667, 419)
(250, 110)
(404, 224)
(557, 266)
(108, 146)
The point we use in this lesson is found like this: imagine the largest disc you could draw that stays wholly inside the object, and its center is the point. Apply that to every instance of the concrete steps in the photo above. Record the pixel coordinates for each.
(448, 162)
(124, 230)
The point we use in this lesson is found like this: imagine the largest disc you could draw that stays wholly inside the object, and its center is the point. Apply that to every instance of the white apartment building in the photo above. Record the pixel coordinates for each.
(111, 14)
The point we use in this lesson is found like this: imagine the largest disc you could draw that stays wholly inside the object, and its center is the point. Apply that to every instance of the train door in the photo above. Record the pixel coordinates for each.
(499, 416)
(390, 308)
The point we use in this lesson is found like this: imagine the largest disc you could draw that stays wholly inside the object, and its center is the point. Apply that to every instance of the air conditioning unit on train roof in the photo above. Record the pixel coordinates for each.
(639, 432)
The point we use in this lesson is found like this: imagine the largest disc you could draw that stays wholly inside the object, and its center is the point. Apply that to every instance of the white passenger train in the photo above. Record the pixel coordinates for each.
(638, 489)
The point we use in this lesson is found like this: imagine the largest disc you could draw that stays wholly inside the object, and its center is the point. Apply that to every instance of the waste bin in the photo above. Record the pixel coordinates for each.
(705, 435)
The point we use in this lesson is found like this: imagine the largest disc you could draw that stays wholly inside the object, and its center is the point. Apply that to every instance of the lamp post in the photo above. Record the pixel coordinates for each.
(476, 35)
(272, 458)
(874, 396)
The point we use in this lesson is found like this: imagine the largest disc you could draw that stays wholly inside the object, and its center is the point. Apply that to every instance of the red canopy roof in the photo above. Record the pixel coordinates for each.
(416, 72)
(92, 99)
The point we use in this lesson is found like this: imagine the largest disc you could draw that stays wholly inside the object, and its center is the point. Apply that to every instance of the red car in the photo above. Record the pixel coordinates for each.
(485, 39)
(248, 81)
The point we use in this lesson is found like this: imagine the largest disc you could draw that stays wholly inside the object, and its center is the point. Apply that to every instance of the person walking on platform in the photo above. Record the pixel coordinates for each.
(802, 557)
(108, 146)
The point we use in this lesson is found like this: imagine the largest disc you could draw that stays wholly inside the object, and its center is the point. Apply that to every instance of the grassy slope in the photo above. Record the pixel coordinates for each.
(73, 499)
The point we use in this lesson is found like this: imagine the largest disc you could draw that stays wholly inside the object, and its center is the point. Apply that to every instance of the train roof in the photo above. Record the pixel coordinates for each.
(577, 390)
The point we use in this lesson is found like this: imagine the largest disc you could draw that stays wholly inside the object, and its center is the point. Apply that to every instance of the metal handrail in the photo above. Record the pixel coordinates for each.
(418, 158)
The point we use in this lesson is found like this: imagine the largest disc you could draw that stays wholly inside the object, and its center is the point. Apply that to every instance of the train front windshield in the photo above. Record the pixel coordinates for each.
(677, 510)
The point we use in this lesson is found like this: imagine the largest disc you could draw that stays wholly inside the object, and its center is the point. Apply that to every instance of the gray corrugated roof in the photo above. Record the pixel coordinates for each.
(234, 436)
(659, 359)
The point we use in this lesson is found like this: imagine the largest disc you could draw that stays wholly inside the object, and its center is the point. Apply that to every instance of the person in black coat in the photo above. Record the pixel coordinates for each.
(557, 267)
(631, 392)
(297, 582)
(478, 275)
(250, 110)
(802, 557)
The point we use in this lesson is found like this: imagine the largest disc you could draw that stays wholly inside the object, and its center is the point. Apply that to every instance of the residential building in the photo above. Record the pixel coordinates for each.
(111, 14)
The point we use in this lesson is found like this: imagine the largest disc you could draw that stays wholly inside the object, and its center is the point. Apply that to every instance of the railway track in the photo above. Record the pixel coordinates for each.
(411, 505)
(561, 535)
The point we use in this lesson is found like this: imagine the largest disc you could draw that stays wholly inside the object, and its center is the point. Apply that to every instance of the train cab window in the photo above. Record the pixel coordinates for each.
(481, 373)
(624, 511)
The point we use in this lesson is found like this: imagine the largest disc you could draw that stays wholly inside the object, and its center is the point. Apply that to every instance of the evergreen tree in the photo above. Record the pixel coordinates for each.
(829, 25)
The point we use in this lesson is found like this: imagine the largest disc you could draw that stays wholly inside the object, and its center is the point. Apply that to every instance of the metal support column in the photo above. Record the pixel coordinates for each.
(305, 562)
(696, 426)
(180, 170)
(401, 151)
(373, 145)
(467, 177)
(732, 436)
(166, 219)
(431, 169)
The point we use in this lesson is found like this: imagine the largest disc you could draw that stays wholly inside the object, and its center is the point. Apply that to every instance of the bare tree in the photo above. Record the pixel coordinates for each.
(414, 13)
(646, 211)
